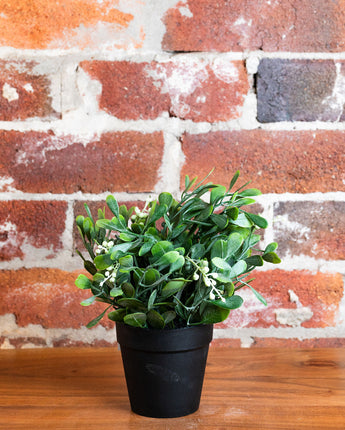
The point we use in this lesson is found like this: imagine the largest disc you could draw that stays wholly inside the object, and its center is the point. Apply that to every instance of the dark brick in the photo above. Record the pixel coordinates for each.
(297, 90)
(315, 229)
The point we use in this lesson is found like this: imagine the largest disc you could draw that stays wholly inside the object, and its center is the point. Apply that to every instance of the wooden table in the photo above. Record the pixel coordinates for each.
(84, 388)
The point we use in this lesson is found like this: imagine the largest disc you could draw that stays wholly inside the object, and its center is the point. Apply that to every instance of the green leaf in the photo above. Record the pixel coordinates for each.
(238, 268)
(217, 193)
(103, 261)
(232, 302)
(188, 183)
(165, 199)
(146, 247)
(80, 221)
(117, 315)
(96, 320)
(116, 291)
(137, 319)
(221, 264)
(89, 301)
(90, 267)
(254, 260)
(155, 319)
(128, 289)
(176, 265)
(258, 220)
(119, 249)
(233, 244)
(132, 304)
(98, 277)
(87, 227)
(242, 221)
(258, 295)
(234, 179)
(127, 237)
(169, 316)
(150, 276)
(197, 251)
(251, 192)
(151, 300)
(161, 248)
(221, 221)
(158, 213)
(271, 247)
(271, 257)
(83, 282)
(172, 287)
(232, 212)
(214, 314)
(126, 261)
(168, 258)
(113, 206)
(229, 289)
(243, 202)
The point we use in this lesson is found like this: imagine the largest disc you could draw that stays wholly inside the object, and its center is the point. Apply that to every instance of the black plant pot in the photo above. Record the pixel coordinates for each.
(164, 369)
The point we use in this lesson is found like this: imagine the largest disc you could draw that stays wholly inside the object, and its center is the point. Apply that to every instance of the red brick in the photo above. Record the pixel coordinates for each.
(40, 24)
(38, 224)
(310, 228)
(299, 90)
(24, 92)
(320, 292)
(275, 161)
(272, 342)
(32, 162)
(47, 297)
(282, 25)
(186, 87)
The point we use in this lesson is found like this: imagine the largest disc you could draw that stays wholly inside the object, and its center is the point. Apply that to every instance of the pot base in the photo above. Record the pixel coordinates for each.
(165, 380)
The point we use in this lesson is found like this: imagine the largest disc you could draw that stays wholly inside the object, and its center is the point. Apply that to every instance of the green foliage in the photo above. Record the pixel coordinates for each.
(176, 262)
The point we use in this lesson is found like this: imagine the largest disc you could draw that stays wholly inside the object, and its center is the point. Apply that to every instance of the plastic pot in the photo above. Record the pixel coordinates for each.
(164, 369)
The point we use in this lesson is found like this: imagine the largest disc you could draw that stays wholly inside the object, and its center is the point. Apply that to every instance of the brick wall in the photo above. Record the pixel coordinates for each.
(127, 96)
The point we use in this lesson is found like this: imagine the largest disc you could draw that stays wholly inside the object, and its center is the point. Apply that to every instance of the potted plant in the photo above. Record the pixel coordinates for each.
(169, 272)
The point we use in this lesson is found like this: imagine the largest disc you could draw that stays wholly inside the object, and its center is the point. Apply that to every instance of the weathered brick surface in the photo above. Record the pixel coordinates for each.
(25, 93)
(188, 88)
(275, 161)
(271, 342)
(26, 225)
(321, 293)
(300, 90)
(80, 344)
(32, 162)
(225, 343)
(310, 228)
(41, 24)
(47, 297)
(282, 25)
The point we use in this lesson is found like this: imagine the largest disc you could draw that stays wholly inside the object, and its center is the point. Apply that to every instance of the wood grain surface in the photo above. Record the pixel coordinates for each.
(84, 388)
